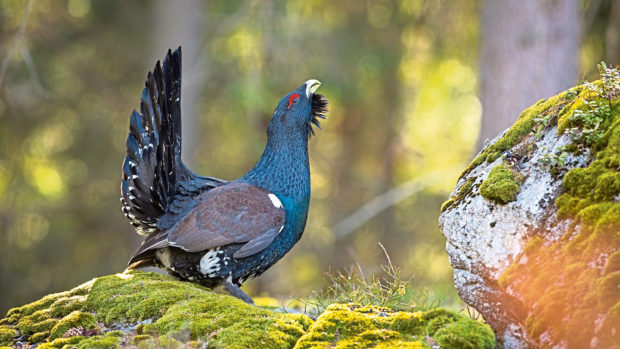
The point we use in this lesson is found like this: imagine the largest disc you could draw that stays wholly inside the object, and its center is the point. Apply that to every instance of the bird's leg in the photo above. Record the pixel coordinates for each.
(235, 291)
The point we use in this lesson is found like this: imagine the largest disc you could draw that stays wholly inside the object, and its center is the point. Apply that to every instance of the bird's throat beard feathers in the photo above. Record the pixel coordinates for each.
(318, 109)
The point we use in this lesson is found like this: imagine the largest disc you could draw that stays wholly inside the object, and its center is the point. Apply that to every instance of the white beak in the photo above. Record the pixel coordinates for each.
(311, 86)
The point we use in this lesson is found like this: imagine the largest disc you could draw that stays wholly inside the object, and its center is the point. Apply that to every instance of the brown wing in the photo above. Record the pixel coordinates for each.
(232, 213)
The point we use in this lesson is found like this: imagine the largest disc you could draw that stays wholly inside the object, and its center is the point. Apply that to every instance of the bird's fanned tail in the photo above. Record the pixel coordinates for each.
(153, 169)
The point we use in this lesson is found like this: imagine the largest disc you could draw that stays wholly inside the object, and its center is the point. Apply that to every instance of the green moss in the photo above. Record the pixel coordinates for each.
(610, 327)
(465, 334)
(66, 305)
(75, 319)
(464, 191)
(29, 326)
(609, 289)
(613, 263)
(61, 342)
(410, 323)
(447, 204)
(533, 245)
(38, 337)
(176, 309)
(141, 337)
(56, 302)
(183, 314)
(35, 320)
(162, 342)
(187, 308)
(453, 330)
(502, 185)
(116, 333)
(7, 335)
(354, 326)
(526, 125)
(96, 342)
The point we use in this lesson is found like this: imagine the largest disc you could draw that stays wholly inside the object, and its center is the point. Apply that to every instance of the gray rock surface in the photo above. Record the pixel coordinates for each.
(484, 237)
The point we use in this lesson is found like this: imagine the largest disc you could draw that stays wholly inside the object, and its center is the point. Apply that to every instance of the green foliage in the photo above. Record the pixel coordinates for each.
(502, 185)
(587, 129)
(555, 161)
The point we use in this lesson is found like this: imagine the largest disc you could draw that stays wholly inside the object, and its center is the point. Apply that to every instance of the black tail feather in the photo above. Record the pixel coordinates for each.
(153, 165)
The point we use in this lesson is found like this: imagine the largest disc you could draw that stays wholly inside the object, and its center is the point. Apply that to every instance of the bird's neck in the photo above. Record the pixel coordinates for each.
(283, 169)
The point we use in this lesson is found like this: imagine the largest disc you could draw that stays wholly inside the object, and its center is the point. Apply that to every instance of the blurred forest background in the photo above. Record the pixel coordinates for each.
(415, 88)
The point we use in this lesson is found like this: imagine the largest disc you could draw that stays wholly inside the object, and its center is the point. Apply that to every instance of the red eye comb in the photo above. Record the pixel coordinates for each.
(292, 100)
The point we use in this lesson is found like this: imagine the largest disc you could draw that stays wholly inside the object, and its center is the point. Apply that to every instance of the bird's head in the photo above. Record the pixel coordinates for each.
(299, 110)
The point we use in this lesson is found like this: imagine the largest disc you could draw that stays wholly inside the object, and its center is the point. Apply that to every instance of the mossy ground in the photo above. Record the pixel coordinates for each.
(154, 310)
(355, 326)
(572, 286)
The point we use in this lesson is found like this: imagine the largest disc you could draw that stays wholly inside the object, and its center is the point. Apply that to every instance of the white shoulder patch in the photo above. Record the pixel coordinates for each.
(274, 200)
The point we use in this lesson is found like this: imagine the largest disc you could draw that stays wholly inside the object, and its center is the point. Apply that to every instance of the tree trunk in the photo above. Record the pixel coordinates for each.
(529, 50)
(179, 23)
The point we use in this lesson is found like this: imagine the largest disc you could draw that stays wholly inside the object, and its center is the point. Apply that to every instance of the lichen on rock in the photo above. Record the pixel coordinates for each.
(542, 268)
(153, 310)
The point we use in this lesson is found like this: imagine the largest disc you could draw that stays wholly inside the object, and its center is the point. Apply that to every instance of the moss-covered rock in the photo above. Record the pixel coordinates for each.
(355, 326)
(154, 310)
(543, 267)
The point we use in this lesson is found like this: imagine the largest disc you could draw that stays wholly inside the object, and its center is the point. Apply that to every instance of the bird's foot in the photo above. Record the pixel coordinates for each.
(235, 291)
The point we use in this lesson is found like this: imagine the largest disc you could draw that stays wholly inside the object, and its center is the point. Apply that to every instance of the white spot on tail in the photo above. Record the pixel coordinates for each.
(275, 201)
(210, 263)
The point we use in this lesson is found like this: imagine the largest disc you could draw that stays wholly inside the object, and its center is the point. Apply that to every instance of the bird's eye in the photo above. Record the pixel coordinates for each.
(292, 100)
